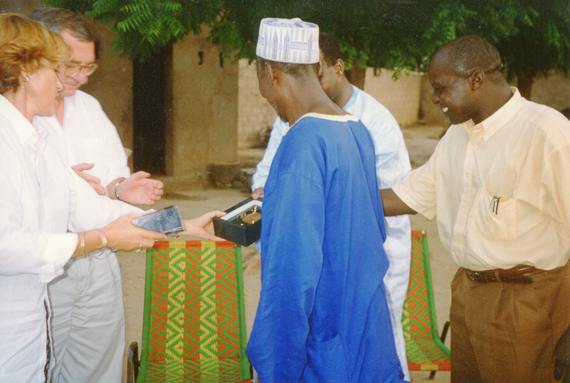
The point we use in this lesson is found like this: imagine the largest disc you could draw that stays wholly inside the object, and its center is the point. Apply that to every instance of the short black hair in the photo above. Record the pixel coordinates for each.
(297, 71)
(468, 53)
(330, 48)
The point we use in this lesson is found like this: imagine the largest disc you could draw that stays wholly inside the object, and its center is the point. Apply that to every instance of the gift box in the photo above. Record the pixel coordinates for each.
(232, 227)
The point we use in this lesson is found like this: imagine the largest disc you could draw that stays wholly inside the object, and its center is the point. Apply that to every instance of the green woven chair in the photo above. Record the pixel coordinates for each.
(424, 347)
(194, 316)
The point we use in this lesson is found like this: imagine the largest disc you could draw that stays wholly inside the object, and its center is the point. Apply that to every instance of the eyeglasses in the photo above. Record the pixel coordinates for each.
(73, 69)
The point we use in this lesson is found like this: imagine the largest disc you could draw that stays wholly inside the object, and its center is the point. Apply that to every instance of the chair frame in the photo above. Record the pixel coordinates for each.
(133, 361)
(432, 338)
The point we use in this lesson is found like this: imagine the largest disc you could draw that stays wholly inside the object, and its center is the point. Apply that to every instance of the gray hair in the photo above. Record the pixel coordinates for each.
(59, 19)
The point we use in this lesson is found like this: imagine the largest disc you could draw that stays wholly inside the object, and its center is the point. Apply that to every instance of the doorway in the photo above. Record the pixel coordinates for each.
(152, 98)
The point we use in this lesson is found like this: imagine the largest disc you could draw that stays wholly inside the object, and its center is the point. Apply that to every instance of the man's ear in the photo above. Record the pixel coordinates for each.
(272, 73)
(320, 69)
(339, 67)
(476, 79)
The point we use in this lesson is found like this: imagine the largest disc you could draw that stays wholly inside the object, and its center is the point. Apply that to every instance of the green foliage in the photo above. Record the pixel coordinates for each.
(542, 41)
(533, 36)
(145, 26)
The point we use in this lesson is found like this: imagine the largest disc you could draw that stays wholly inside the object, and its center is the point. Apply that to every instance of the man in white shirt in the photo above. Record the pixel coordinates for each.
(392, 165)
(87, 301)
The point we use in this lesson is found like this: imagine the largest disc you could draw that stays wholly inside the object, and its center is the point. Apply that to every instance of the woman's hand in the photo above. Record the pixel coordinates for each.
(122, 234)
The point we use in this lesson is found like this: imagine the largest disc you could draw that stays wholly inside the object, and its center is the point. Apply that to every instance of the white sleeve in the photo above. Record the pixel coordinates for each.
(89, 210)
(115, 157)
(92, 138)
(25, 249)
(33, 239)
(392, 159)
(262, 169)
(112, 154)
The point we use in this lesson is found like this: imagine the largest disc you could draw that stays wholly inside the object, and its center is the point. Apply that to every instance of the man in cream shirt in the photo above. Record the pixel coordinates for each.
(498, 185)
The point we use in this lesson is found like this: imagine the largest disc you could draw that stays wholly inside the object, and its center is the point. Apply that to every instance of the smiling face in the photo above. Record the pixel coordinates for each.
(83, 53)
(42, 92)
(451, 90)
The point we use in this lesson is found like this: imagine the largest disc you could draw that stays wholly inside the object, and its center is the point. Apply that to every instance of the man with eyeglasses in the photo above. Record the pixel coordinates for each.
(75, 68)
(88, 317)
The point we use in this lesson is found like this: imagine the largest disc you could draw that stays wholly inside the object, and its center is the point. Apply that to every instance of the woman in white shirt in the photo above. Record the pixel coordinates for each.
(44, 206)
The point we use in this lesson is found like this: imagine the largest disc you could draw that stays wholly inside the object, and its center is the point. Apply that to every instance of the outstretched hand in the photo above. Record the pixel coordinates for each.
(123, 234)
(139, 189)
(202, 226)
(562, 358)
(91, 180)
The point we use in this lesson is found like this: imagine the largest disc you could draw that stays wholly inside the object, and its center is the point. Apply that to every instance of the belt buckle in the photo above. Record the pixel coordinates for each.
(476, 276)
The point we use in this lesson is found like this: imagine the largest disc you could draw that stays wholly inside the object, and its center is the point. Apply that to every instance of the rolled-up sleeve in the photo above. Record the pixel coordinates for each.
(418, 190)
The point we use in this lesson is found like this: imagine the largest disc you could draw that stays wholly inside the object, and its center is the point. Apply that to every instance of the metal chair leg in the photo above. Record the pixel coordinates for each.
(442, 337)
(133, 363)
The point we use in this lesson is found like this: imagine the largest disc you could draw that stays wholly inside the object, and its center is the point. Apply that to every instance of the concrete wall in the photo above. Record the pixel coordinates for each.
(24, 7)
(254, 113)
(408, 99)
(205, 108)
(553, 91)
(401, 97)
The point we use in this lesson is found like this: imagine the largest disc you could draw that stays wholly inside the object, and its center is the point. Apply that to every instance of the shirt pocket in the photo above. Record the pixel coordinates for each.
(498, 220)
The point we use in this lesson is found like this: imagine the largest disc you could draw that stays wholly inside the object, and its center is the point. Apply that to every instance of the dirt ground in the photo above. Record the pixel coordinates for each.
(420, 141)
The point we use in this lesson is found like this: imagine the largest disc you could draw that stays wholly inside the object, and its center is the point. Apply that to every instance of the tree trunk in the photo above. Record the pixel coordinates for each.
(356, 75)
(524, 85)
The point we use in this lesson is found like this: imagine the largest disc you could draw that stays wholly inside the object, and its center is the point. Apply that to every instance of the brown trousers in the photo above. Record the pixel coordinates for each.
(506, 332)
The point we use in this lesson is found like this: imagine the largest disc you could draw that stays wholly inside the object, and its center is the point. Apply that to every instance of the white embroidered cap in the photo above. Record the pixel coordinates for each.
(288, 40)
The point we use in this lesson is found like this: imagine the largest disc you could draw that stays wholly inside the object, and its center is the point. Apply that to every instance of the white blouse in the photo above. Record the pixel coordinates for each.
(42, 204)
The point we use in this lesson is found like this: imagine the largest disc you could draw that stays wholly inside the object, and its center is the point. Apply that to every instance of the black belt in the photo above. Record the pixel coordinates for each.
(518, 274)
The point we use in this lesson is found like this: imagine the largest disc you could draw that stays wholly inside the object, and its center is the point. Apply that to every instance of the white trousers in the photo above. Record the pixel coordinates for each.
(88, 321)
(398, 247)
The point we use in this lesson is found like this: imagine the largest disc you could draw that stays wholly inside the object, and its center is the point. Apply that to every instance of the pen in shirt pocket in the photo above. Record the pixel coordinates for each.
(494, 207)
